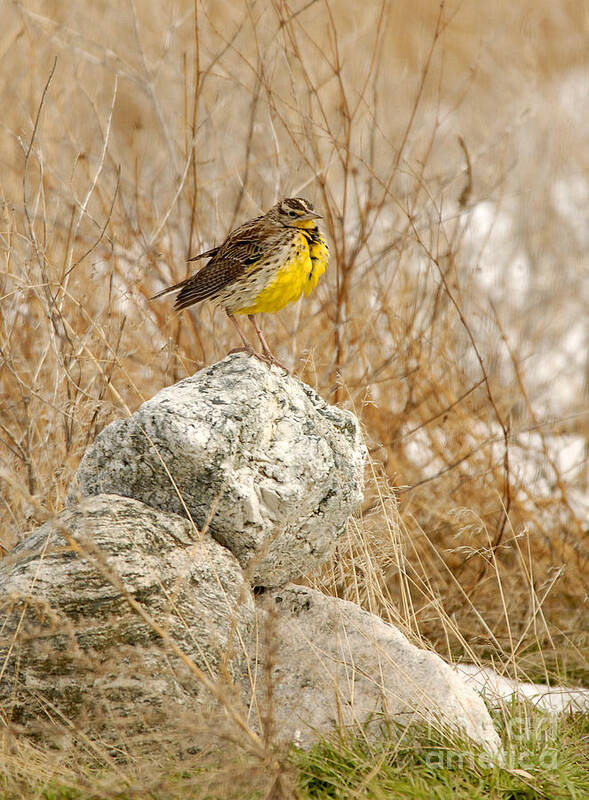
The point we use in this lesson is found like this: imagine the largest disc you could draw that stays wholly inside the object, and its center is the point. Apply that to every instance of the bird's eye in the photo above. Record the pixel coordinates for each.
(292, 214)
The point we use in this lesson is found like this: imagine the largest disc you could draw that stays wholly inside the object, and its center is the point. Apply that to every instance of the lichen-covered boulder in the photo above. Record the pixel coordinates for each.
(73, 640)
(255, 457)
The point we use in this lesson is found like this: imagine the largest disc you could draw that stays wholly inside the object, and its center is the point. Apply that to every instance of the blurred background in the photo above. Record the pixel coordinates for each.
(446, 145)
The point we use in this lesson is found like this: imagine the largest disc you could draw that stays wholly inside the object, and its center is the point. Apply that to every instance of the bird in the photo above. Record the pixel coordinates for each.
(262, 266)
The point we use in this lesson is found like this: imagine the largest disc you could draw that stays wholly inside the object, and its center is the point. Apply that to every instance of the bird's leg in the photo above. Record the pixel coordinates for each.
(265, 347)
(247, 348)
(268, 354)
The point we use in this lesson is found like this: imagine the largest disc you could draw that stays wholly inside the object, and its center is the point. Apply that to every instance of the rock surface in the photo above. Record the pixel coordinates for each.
(254, 456)
(71, 643)
(499, 690)
(335, 665)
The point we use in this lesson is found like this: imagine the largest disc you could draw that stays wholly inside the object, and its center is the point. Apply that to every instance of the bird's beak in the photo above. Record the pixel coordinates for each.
(312, 215)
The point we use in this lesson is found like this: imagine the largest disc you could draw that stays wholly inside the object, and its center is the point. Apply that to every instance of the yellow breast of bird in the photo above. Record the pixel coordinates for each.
(303, 262)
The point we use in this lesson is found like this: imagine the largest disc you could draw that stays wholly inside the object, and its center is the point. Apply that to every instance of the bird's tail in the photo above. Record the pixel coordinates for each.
(169, 289)
(176, 286)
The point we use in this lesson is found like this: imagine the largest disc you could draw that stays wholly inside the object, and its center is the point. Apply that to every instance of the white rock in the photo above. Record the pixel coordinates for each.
(257, 457)
(499, 690)
(334, 665)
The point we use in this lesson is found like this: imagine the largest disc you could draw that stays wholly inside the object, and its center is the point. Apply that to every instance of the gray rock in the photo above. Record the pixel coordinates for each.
(254, 456)
(71, 644)
(333, 665)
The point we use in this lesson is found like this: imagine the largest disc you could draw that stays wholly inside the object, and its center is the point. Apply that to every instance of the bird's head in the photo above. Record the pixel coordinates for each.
(294, 212)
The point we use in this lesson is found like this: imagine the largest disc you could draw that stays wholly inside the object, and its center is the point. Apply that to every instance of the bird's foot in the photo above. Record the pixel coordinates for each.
(270, 359)
(265, 358)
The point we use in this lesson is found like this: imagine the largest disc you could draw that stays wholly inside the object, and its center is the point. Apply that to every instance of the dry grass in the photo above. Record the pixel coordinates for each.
(445, 146)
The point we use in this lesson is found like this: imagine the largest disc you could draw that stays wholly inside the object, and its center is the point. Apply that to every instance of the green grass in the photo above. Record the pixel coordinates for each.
(545, 757)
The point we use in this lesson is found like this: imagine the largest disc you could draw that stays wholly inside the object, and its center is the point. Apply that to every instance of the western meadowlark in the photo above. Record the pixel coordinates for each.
(262, 266)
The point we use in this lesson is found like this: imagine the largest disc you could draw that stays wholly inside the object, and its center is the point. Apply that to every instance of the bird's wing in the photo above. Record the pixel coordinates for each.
(207, 283)
(238, 254)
